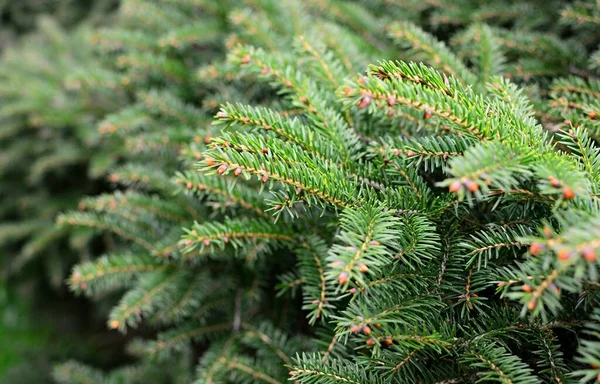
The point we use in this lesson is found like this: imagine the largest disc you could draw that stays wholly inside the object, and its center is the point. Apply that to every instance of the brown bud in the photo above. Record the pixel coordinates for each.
(589, 254)
(410, 154)
(371, 342)
(354, 329)
(209, 162)
(303, 100)
(427, 114)
(526, 288)
(536, 248)
(265, 150)
(389, 341)
(568, 193)
(363, 268)
(455, 186)
(265, 178)
(238, 171)
(592, 115)
(315, 302)
(343, 278)
(222, 169)
(532, 304)
(366, 330)
(377, 325)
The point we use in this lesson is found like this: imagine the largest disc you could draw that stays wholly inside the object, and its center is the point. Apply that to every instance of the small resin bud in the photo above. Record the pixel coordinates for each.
(277, 207)
(222, 169)
(532, 304)
(114, 324)
(410, 154)
(563, 254)
(526, 288)
(226, 239)
(374, 242)
(501, 284)
(303, 100)
(389, 341)
(427, 114)
(592, 115)
(265, 178)
(298, 190)
(371, 342)
(293, 373)
(365, 101)
(206, 242)
(472, 186)
(343, 278)
(555, 288)
(589, 254)
(347, 91)
(366, 330)
(315, 302)
(363, 268)
(536, 248)
(354, 329)
(377, 325)
(455, 186)
(246, 60)
(209, 162)
(554, 182)
(238, 171)
(568, 193)
(265, 150)
(189, 185)
(83, 286)
(265, 71)
(547, 232)
(391, 101)
(353, 291)
(221, 114)
(188, 242)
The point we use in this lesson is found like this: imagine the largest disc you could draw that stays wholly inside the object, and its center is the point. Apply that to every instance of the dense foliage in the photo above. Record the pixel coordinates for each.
(360, 192)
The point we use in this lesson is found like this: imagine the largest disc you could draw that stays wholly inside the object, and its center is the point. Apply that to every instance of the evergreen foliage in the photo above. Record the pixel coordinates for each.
(325, 191)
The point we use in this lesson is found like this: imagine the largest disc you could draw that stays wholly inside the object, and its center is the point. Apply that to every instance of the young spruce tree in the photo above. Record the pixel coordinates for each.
(427, 210)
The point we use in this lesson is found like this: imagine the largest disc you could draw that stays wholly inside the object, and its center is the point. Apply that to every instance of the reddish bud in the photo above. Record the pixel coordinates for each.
(246, 60)
(391, 101)
(226, 239)
(347, 91)
(265, 150)
(472, 186)
(189, 185)
(354, 329)
(455, 186)
(547, 232)
(114, 324)
(265, 178)
(568, 193)
(265, 71)
(365, 101)
(374, 242)
(389, 341)
(371, 342)
(589, 254)
(536, 248)
(353, 291)
(238, 171)
(363, 268)
(592, 115)
(209, 162)
(563, 254)
(303, 100)
(343, 278)
(532, 304)
(222, 169)
(366, 330)
(526, 288)
(206, 242)
(427, 114)
(554, 182)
